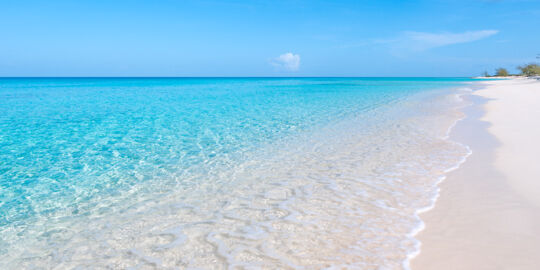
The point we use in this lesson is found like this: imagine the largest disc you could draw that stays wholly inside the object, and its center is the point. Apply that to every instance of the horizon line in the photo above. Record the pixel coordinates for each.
(216, 77)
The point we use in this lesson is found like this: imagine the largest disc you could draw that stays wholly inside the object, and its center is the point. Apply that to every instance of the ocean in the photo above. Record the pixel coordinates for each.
(221, 173)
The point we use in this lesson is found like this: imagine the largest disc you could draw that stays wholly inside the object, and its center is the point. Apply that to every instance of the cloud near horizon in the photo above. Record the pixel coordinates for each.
(407, 42)
(287, 61)
(423, 41)
(412, 41)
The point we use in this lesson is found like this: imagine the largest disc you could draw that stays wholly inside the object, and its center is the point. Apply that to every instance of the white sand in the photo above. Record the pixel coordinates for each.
(488, 214)
(515, 113)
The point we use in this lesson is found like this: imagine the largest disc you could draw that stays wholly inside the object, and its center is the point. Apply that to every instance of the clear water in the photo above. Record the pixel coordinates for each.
(216, 173)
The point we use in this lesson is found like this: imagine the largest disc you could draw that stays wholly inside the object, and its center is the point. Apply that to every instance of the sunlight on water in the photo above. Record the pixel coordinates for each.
(220, 173)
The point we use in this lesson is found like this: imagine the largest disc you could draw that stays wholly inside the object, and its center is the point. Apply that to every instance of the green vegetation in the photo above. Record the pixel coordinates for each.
(530, 70)
(501, 72)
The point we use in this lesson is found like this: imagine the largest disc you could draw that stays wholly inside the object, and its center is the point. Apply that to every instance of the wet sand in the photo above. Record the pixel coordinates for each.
(488, 212)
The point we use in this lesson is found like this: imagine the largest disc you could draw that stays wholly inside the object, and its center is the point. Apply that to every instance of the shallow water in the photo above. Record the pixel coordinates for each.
(220, 173)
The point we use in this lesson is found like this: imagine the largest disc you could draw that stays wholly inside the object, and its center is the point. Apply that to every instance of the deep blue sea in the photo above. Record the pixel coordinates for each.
(220, 173)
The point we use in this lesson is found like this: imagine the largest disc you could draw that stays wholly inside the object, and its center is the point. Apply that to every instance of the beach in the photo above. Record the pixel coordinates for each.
(488, 213)
(228, 135)
(268, 173)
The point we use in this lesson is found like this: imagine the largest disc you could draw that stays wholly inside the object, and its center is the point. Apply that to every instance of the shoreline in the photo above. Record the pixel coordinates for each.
(421, 226)
(480, 220)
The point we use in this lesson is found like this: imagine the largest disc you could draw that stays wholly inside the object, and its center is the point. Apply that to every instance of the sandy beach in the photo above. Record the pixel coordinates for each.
(488, 212)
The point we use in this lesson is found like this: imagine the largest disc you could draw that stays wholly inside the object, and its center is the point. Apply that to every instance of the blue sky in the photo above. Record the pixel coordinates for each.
(266, 38)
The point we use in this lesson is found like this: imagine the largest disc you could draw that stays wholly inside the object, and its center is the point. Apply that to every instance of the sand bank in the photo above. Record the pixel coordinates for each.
(488, 212)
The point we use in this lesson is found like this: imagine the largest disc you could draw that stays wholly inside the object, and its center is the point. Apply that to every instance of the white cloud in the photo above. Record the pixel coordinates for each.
(408, 42)
(423, 41)
(287, 61)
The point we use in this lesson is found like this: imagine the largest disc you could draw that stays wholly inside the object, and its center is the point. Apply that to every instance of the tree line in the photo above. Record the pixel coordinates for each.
(529, 70)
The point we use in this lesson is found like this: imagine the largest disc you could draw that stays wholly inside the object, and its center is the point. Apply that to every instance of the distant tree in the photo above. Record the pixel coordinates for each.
(485, 74)
(501, 72)
(530, 70)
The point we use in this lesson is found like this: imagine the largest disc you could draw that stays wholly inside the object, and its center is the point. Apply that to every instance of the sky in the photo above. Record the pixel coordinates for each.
(266, 38)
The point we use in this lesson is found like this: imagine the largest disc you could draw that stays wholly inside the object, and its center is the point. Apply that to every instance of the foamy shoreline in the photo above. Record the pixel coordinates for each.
(488, 212)
(440, 179)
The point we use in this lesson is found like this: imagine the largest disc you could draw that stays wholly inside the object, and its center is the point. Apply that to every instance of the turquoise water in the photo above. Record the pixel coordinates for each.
(113, 171)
